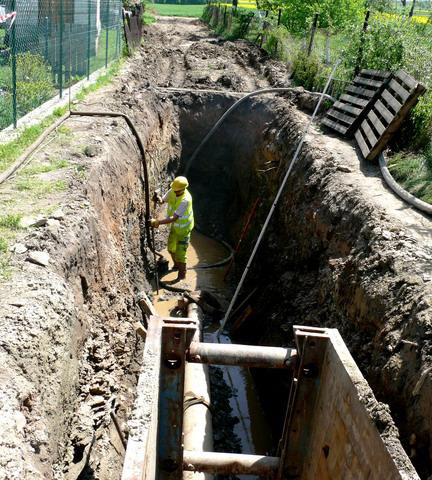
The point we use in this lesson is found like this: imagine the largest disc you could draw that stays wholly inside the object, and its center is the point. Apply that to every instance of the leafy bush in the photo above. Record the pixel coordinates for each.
(34, 82)
(309, 71)
(277, 36)
(240, 24)
(207, 13)
(34, 86)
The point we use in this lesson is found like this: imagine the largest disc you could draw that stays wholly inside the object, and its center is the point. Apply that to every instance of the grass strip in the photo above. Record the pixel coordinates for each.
(413, 171)
(9, 152)
(174, 10)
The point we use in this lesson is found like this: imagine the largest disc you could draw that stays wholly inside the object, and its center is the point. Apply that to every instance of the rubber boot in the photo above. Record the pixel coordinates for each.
(175, 266)
(181, 271)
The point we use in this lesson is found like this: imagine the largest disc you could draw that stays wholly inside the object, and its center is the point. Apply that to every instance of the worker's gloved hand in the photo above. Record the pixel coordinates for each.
(154, 222)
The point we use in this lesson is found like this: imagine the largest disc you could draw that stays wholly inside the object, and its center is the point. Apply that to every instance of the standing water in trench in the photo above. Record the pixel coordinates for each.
(251, 429)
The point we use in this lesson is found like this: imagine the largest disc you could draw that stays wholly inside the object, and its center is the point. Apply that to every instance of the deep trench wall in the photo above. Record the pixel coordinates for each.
(220, 177)
(71, 343)
(331, 257)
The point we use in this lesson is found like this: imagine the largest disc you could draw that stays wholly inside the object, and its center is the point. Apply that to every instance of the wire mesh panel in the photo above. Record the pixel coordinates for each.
(51, 44)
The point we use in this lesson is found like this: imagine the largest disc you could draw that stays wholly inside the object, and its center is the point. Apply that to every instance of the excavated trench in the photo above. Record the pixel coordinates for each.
(336, 255)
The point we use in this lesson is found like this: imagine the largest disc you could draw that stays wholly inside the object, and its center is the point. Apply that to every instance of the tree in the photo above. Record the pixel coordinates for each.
(334, 14)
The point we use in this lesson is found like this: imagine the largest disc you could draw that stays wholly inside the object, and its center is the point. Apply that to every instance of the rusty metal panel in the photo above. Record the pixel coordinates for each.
(311, 345)
(176, 337)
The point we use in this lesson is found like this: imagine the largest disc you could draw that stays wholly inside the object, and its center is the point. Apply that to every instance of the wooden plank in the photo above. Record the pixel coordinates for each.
(391, 101)
(396, 122)
(384, 112)
(408, 80)
(360, 91)
(355, 101)
(398, 89)
(347, 108)
(361, 143)
(376, 122)
(335, 126)
(340, 116)
(369, 83)
(375, 73)
(370, 135)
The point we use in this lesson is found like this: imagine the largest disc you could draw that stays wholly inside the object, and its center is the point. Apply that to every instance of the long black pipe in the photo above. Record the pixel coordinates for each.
(143, 159)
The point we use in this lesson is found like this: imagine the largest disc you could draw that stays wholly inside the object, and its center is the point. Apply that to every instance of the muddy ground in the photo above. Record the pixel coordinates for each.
(341, 252)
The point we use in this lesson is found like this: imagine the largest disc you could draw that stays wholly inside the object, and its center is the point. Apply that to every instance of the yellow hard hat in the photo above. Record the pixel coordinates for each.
(179, 183)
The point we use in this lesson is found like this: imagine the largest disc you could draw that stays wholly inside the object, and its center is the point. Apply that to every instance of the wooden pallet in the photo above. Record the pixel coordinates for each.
(384, 115)
(345, 114)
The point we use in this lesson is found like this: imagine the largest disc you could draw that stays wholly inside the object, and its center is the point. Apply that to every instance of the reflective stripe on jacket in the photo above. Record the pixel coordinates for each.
(185, 223)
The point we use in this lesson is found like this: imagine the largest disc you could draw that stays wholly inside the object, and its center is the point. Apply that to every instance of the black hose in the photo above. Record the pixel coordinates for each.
(231, 109)
(143, 159)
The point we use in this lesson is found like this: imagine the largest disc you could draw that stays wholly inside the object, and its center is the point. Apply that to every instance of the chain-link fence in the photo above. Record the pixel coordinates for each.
(51, 44)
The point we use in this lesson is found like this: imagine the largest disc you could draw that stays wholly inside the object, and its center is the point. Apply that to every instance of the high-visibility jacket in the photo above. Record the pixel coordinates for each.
(184, 224)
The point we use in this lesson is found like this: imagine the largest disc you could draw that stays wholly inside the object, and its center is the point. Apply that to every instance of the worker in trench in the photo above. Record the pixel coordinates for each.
(181, 218)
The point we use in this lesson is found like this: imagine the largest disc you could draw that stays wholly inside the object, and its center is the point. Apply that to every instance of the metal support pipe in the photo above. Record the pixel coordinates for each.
(197, 417)
(241, 355)
(230, 463)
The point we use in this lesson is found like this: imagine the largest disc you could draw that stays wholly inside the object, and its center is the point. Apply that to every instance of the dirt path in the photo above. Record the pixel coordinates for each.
(182, 52)
(367, 178)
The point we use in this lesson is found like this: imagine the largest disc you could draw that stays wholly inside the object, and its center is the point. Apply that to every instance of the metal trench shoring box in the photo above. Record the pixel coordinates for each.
(176, 349)
(328, 431)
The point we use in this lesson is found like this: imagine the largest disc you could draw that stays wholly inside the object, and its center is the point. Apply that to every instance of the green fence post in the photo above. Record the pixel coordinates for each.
(120, 27)
(46, 38)
(88, 39)
(107, 33)
(360, 51)
(314, 27)
(60, 80)
(14, 89)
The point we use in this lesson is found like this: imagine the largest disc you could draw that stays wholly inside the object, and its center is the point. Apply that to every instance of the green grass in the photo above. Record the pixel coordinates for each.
(44, 167)
(9, 225)
(414, 173)
(148, 18)
(165, 9)
(9, 152)
(40, 187)
(101, 81)
(3, 245)
(10, 222)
